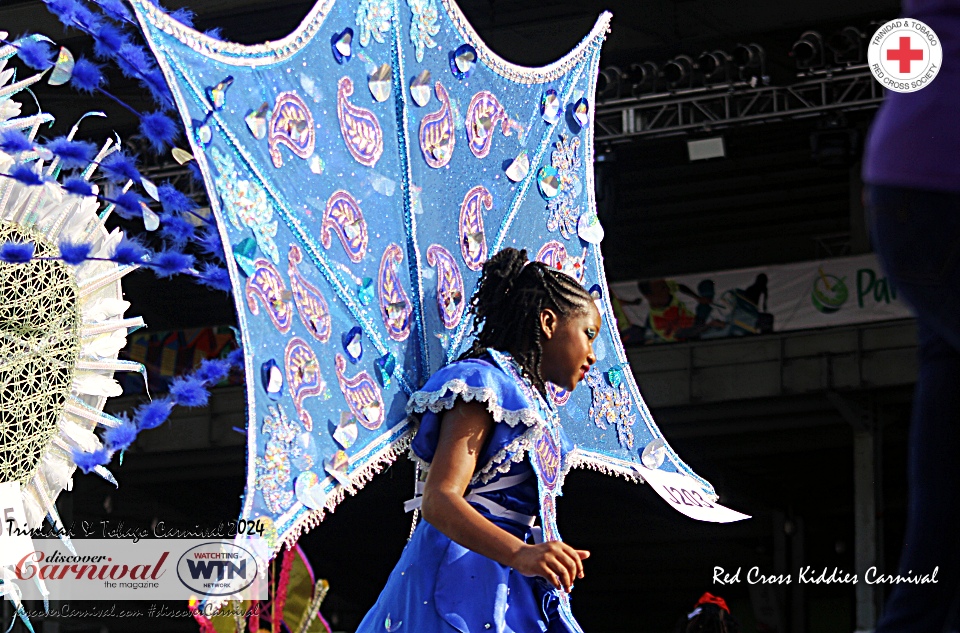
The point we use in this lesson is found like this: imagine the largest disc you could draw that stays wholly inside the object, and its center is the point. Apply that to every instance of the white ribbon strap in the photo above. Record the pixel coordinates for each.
(473, 496)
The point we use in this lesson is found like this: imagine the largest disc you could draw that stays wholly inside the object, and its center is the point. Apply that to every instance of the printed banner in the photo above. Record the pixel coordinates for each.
(140, 569)
(839, 291)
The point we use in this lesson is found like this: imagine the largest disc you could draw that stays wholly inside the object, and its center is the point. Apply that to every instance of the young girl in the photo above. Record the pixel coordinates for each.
(476, 562)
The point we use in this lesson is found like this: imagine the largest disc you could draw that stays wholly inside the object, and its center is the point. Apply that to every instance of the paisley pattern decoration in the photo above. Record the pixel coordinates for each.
(546, 454)
(395, 307)
(449, 285)
(548, 512)
(554, 254)
(343, 216)
(245, 203)
(611, 406)
(311, 306)
(473, 243)
(303, 376)
(564, 208)
(437, 138)
(483, 114)
(359, 127)
(373, 19)
(362, 395)
(267, 285)
(423, 25)
(291, 125)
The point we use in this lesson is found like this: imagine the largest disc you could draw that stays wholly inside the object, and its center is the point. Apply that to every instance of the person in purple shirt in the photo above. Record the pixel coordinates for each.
(912, 175)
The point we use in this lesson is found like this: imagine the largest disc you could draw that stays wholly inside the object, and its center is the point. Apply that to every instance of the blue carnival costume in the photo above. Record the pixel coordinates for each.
(439, 585)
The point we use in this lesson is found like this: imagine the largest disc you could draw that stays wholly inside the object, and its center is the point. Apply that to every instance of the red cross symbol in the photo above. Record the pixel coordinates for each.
(905, 54)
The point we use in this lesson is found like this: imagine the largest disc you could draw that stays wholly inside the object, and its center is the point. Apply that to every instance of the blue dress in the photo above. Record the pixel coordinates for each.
(441, 586)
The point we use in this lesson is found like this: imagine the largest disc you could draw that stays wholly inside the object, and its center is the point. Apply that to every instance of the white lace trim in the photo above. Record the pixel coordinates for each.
(437, 401)
(501, 462)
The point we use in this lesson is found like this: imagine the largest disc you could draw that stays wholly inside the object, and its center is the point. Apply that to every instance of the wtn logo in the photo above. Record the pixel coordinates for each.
(217, 568)
(224, 569)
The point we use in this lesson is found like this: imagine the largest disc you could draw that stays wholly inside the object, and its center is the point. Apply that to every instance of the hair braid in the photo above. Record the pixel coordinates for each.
(507, 303)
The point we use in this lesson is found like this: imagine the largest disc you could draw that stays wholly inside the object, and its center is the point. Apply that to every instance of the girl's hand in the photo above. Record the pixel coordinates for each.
(554, 561)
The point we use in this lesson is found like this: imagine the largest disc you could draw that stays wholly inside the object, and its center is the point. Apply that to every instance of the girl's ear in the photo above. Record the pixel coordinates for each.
(548, 322)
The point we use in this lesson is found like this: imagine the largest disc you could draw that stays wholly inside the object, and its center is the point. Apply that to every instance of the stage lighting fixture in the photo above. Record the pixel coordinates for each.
(847, 45)
(808, 51)
(609, 83)
(714, 66)
(642, 78)
(751, 62)
(678, 72)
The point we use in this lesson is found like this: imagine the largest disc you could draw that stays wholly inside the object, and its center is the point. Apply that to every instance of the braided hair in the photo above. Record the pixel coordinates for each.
(507, 304)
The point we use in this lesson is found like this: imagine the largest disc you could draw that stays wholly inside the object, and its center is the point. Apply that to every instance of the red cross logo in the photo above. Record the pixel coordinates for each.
(905, 55)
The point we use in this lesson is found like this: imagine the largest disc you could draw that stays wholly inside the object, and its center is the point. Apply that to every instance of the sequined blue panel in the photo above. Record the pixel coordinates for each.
(385, 152)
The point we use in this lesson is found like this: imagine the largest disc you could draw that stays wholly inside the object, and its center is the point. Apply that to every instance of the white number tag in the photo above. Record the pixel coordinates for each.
(684, 494)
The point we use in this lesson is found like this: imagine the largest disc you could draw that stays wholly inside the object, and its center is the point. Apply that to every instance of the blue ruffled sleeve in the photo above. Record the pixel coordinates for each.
(475, 379)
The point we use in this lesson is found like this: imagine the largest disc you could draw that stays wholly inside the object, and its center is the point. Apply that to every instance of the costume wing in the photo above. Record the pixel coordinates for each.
(361, 170)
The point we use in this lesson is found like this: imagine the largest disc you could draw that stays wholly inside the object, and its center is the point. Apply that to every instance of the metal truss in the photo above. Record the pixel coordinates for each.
(716, 107)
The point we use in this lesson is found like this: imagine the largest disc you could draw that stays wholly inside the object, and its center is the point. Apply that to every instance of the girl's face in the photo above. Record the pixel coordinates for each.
(568, 345)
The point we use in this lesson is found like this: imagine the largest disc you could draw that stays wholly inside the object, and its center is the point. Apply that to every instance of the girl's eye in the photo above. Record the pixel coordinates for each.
(591, 333)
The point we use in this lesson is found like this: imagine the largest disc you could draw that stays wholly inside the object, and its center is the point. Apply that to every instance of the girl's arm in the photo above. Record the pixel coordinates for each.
(463, 431)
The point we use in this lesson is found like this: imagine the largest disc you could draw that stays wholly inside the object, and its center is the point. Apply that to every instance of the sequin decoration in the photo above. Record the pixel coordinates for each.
(202, 133)
(420, 90)
(362, 395)
(564, 208)
(654, 453)
(611, 406)
(336, 466)
(395, 307)
(463, 60)
(62, 69)
(256, 121)
(386, 366)
(273, 469)
(267, 285)
(341, 44)
(546, 452)
(589, 228)
(343, 216)
(483, 114)
(218, 94)
(379, 82)
(305, 453)
(244, 253)
(437, 138)
(373, 20)
(245, 204)
(423, 25)
(271, 377)
(291, 125)
(519, 167)
(581, 112)
(473, 244)
(303, 376)
(365, 291)
(548, 182)
(554, 254)
(359, 127)
(450, 300)
(311, 306)
(346, 432)
(308, 490)
(550, 106)
(353, 344)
